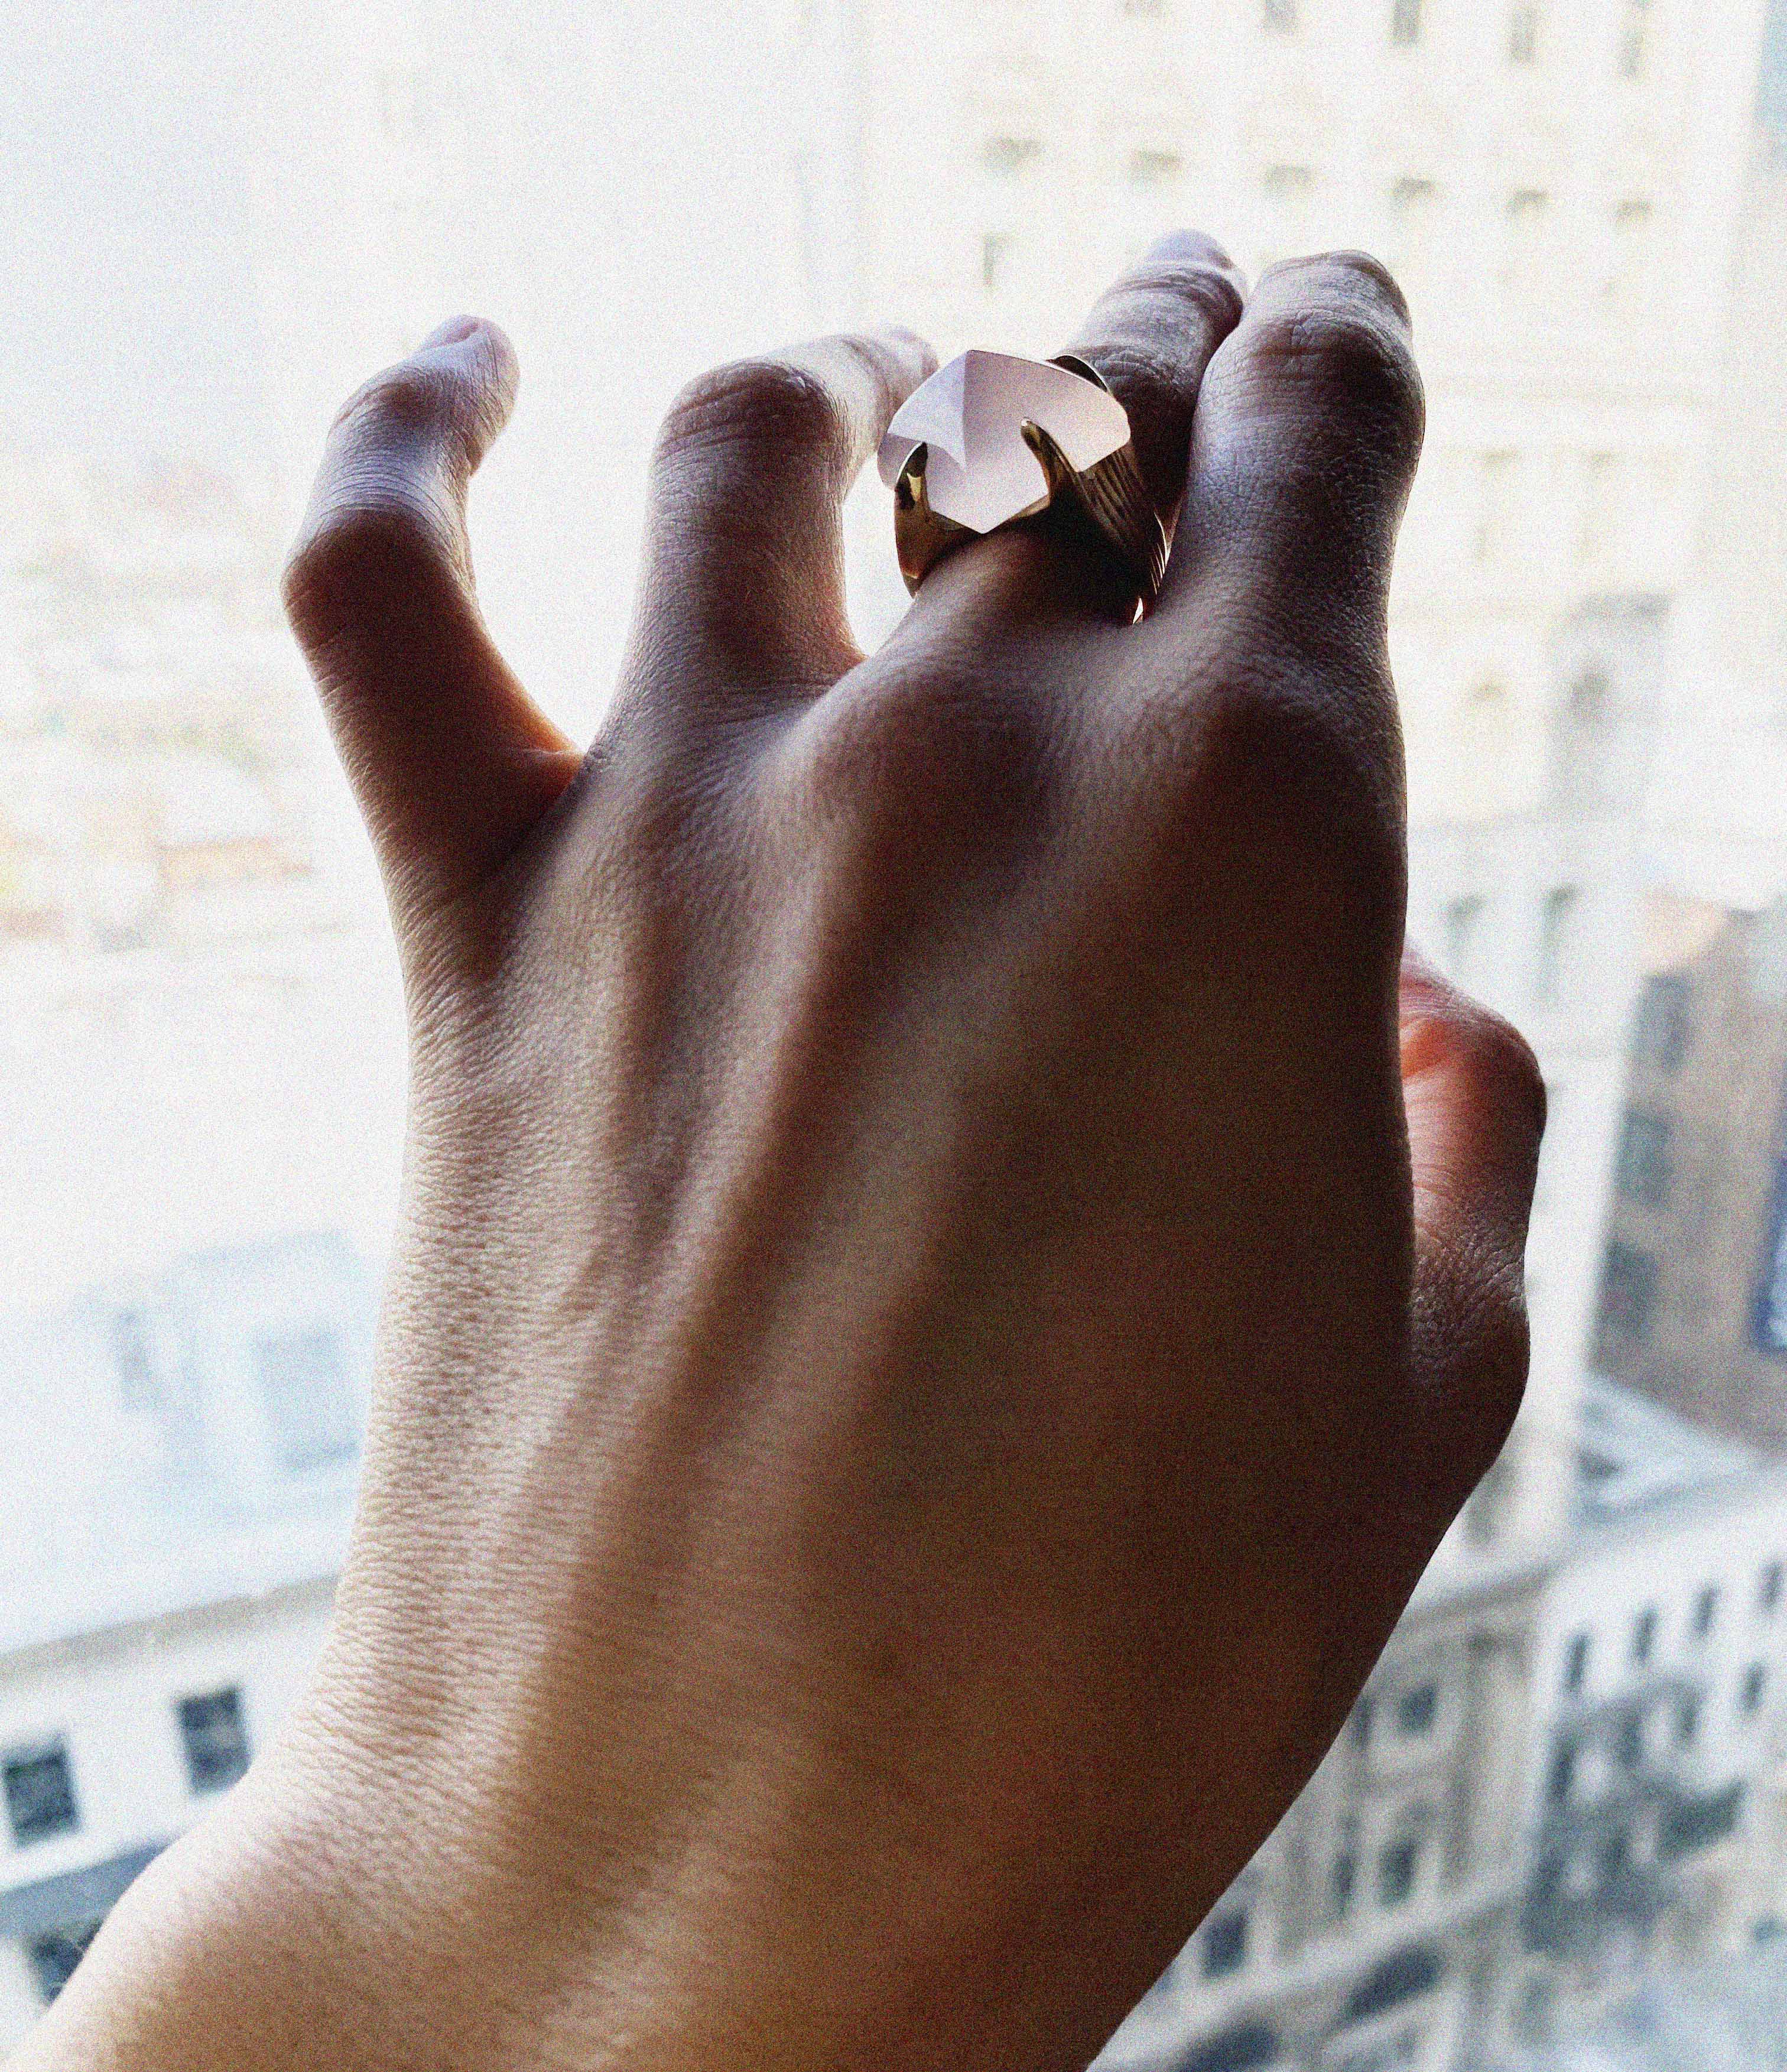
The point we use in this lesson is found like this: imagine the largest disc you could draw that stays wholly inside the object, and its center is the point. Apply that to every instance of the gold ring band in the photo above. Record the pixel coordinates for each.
(1108, 503)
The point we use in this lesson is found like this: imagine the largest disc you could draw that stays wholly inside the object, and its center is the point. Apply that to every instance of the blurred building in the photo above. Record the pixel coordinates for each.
(1693, 1302)
(182, 1454)
(1371, 1930)
(156, 730)
(1656, 1794)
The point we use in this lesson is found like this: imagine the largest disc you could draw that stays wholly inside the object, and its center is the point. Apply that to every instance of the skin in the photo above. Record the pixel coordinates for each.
(953, 1272)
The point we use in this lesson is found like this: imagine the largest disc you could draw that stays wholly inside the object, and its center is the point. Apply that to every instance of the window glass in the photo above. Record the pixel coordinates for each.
(220, 219)
(40, 1794)
(215, 1737)
(1224, 1943)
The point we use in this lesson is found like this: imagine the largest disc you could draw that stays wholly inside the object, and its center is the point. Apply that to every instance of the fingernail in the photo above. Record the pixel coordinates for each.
(1194, 246)
(454, 331)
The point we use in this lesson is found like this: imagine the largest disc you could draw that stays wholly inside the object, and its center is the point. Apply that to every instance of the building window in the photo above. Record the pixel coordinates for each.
(40, 1793)
(1461, 928)
(1663, 1023)
(1575, 1663)
(1628, 1745)
(215, 1738)
(1345, 1880)
(1415, 1709)
(1562, 1773)
(1631, 272)
(1153, 168)
(1413, 205)
(996, 248)
(1279, 18)
(1225, 1943)
(1628, 1294)
(1756, 1683)
(1615, 1853)
(1705, 1611)
(1591, 695)
(1687, 1722)
(1396, 1871)
(1405, 22)
(1288, 187)
(55, 1955)
(1523, 33)
(1529, 215)
(1009, 156)
(1496, 509)
(1601, 516)
(1642, 1169)
(1634, 38)
(304, 1384)
(1644, 1635)
(1555, 936)
(134, 1360)
(1768, 1589)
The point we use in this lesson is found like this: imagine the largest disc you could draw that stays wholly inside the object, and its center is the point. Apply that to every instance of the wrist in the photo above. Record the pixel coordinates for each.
(304, 1925)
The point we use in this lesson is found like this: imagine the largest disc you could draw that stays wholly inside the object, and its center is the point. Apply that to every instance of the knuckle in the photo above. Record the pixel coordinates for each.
(751, 405)
(1347, 353)
(404, 400)
(1496, 1362)
(1504, 1060)
(385, 533)
(1293, 761)
(1152, 300)
(1496, 1059)
(924, 746)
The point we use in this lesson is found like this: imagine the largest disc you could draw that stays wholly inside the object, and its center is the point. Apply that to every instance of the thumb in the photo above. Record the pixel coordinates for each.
(1475, 1102)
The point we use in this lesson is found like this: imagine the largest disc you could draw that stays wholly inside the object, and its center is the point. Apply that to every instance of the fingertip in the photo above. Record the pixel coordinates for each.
(484, 346)
(910, 358)
(1194, 248)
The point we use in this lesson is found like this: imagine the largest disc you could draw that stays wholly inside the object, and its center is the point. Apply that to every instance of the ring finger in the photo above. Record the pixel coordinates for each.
(1151, 335)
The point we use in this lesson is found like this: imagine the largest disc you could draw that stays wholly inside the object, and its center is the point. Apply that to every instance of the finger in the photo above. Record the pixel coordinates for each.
(1475, 1102)
(744, 562)
(1308, 428)
(1151, 335)
(451, 760)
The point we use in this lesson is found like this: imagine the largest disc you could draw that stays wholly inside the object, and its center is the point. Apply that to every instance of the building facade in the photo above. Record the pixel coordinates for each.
(182, 1454)
(1369, 1934)
(1653, 1793)
(1693, 1297)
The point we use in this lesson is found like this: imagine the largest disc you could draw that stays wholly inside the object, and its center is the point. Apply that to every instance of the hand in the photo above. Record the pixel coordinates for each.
(952, 1276)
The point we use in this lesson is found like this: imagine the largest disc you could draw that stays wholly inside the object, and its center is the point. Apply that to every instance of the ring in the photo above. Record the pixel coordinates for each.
(991, 440)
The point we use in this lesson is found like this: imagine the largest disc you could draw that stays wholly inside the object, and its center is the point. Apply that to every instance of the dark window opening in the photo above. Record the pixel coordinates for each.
(1415, 1709)
(1562, 1773)
(1396, 1870)
(1224, 1943)
(1405, 1976)
(215, 1738)
(55, 1955)
(1629, 1295)
(40, 1794)
(1643, 1170)
(1663, 1026)
(1644, 1635)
